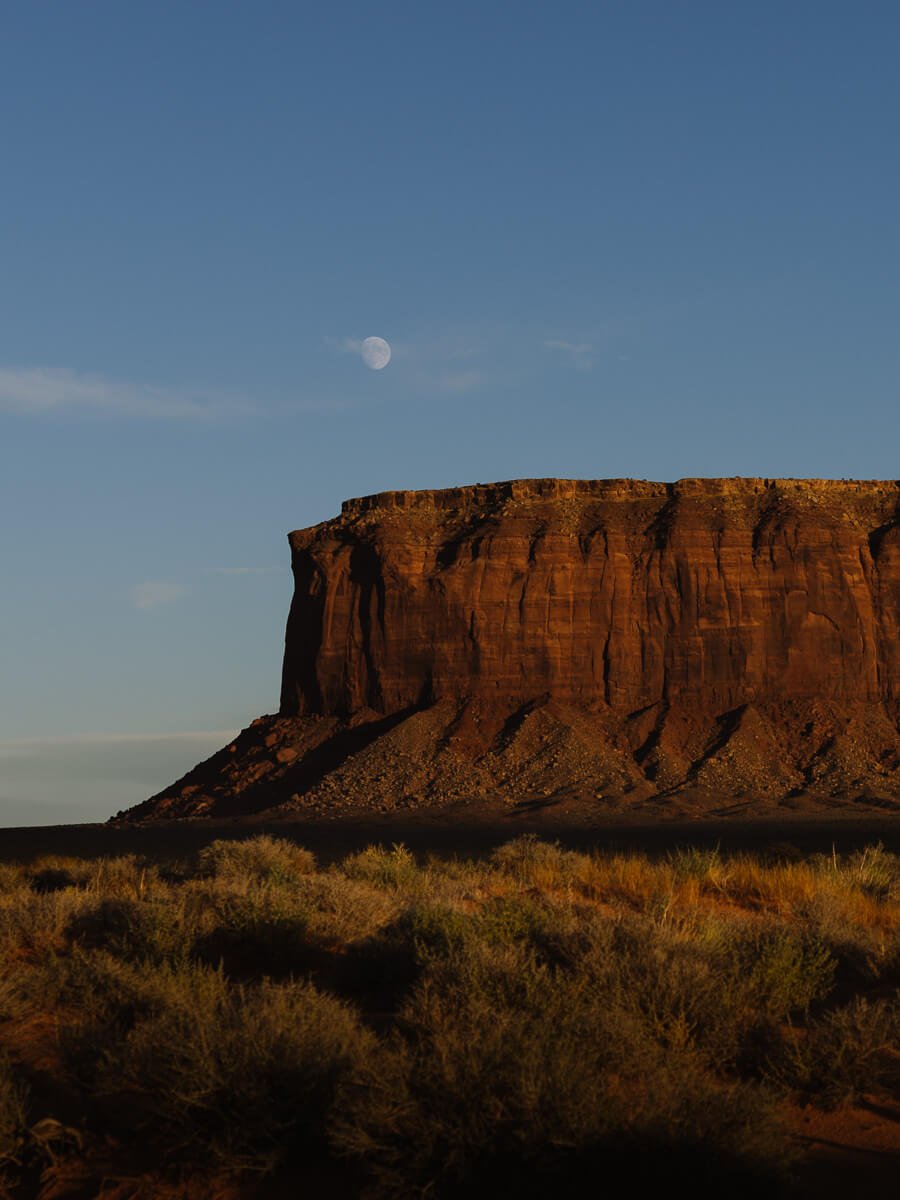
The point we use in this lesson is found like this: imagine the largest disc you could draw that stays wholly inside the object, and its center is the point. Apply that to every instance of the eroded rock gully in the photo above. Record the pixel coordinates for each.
(715, 644)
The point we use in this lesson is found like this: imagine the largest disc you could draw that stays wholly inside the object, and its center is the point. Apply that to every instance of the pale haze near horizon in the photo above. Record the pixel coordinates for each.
(601, 240)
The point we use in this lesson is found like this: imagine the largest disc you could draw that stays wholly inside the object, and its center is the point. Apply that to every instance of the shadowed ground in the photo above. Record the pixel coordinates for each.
(443, 833)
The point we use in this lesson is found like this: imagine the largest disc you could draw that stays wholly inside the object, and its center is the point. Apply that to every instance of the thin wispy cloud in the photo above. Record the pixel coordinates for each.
(36, 391)
(155, 593)
(458, 383)
(53, 779)
(344, 345)
(436, 365)
(16, 747)
(244, 570)
(578, 354)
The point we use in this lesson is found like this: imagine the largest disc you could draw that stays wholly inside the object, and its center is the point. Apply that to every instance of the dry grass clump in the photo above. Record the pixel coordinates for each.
(515, 1024)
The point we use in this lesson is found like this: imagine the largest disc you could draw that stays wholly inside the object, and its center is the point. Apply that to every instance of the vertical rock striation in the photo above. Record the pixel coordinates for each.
(712, 641)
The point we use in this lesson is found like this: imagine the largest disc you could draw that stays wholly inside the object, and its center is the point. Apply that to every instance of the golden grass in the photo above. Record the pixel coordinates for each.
(581, 1000)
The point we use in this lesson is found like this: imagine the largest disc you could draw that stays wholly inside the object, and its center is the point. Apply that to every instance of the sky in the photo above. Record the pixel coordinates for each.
(602, 239)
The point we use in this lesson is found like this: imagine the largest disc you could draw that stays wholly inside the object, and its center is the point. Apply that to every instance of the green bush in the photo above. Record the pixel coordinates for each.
(126, 875)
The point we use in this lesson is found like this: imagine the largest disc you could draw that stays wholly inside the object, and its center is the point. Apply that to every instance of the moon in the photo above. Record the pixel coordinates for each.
(376, 353)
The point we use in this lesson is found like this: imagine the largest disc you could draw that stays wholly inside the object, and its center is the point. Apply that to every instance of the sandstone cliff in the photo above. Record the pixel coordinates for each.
(720, 643)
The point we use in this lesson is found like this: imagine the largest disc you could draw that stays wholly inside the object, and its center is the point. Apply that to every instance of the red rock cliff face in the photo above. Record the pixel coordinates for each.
(730, 637)
(710, 592)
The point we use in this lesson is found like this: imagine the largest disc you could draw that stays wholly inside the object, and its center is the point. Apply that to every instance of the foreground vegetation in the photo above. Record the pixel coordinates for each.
(397, 1028)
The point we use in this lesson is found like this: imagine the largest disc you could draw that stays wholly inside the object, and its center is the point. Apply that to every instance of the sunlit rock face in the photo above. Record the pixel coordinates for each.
(710, 592)
(704, 642)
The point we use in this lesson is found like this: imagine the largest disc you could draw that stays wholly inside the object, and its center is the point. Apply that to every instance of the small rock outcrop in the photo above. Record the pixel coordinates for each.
(721, 644)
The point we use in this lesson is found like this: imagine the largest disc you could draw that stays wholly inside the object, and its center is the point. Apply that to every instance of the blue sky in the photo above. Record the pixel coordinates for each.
(603, 239)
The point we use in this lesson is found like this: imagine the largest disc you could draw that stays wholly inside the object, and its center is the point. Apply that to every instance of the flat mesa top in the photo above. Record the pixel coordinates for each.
(613, 489)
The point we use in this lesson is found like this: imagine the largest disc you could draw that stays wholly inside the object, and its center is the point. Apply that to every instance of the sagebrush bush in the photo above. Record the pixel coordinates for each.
(11, 878)
(847, 1054)
(345, 911)
(394, 868)
(697, 862)
(242, 1077)
(54, 872)
(873, 869)
(273, 860)
(508, 1073)
(33, 924)
(544, 1017)
(207, 1071)
(536, 863)
(12, 1122)
(257, 931)
(125, 875)
(132, 929)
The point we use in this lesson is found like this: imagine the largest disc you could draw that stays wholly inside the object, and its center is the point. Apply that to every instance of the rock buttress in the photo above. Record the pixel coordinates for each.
(727, 638)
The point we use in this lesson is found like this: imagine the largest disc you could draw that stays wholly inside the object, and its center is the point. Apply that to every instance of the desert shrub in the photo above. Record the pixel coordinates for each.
(132, 929)
(35, 923)
(394, 868)
(847, 1054)
(507, 1073)
(873, 870)
(11, 878)
(125, 875)
(679, 989)
(101, 997)
(532, 862)
(272, 860)
(240, 1076)
(262, 930)
(51, 879)
(505, 919)
(876, 871)
(781, 971)
(706, 866)
(862, 934)
(433, 930)
(269, 929)
(342, 910)
(716, 987)
(12, 1121)
(54, 872)
(427, 931)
